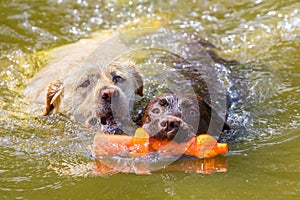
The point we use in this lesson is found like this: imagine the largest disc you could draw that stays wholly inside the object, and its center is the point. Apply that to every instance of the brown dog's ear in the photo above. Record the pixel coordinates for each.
(54, 91)
(205, 116)
(209, 115)
(138, 79)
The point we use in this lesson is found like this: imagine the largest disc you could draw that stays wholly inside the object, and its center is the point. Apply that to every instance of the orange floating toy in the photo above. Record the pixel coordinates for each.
(201, 146)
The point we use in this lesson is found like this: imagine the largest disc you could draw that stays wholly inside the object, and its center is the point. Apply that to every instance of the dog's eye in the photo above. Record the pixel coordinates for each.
(163, 102)
(155, 111)
(193, 112)
(85, 84)
(117, 79)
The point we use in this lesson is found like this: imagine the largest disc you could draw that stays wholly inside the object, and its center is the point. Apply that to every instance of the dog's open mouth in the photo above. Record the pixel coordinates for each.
(180, 135)
(104, 125)
(113, 129)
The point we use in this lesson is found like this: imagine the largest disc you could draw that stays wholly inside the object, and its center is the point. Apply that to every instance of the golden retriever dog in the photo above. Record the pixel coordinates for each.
(79, 87)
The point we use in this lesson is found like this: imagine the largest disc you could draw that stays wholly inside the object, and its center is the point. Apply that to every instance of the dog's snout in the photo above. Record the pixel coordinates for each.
(107, 94)
(170, 124)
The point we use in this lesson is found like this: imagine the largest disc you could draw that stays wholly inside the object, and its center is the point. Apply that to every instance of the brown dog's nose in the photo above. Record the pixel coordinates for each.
(170, 124)
(108, 93)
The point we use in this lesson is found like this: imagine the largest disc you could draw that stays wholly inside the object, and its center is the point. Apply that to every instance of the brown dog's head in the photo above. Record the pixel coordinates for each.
(96, 97)
(177, 117)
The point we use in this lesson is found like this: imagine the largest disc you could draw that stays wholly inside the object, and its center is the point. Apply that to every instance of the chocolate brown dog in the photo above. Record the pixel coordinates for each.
(179, 117)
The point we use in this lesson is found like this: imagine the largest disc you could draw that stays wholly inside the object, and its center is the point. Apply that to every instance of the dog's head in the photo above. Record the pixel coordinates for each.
(177, 117)
(96, 97)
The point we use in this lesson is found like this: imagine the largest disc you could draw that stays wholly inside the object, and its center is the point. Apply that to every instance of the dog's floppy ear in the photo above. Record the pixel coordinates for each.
(53, 94)
(139, 90)
(205, 115)
(138, 79)
(209, 115)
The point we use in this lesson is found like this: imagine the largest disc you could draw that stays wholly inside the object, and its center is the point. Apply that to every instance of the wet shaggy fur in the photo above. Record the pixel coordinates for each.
(80, 85)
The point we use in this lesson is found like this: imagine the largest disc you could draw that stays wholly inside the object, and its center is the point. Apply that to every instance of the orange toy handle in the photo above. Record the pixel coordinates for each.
(109, 144)
(202, 146)
(206, 146)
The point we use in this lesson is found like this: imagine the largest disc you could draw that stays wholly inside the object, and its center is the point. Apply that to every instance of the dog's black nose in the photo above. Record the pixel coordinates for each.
(170, 124)
(174, 128)
(107, 94)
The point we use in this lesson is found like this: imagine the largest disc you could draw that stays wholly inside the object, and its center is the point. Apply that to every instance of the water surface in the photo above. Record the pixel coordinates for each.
(45, 157)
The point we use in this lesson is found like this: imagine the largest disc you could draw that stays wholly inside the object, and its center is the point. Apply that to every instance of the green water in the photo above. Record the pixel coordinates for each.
(43, 158)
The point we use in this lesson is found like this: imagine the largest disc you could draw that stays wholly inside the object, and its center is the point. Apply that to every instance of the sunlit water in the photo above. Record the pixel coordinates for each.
(47, 158)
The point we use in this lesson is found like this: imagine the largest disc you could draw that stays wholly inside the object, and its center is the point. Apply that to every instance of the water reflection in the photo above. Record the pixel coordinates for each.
(111, 166)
